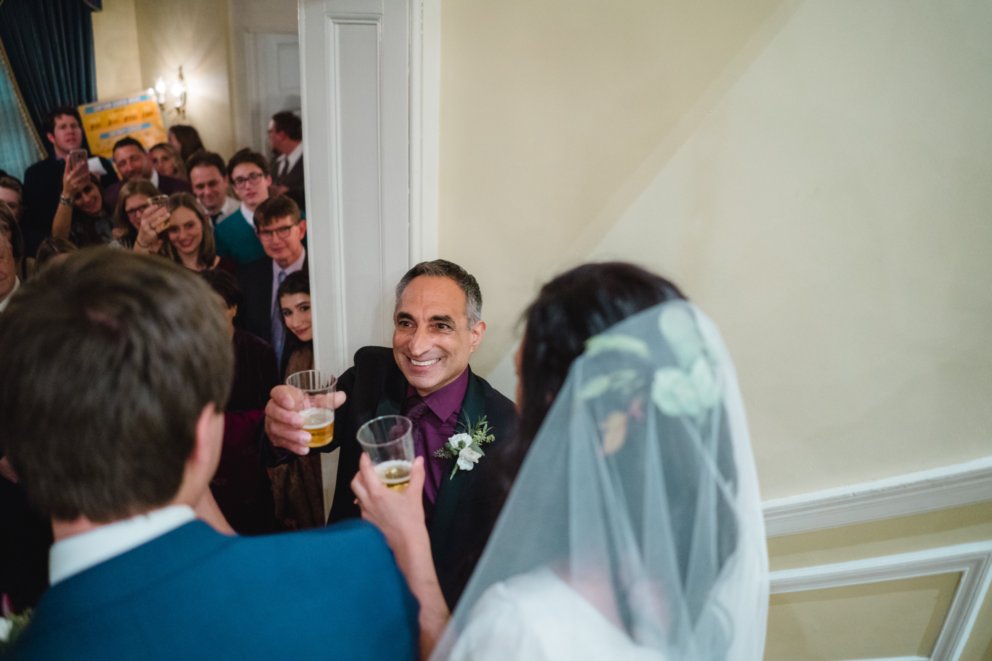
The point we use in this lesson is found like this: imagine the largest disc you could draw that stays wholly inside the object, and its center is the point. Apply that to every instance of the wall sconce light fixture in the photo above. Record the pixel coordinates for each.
(177, 90)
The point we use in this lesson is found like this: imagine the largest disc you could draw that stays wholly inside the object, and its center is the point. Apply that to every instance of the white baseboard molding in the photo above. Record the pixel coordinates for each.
(972, 561)
(912, 493)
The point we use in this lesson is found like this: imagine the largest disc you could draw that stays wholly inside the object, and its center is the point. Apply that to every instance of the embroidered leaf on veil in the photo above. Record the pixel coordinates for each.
(600, 343)
(623, 380)
(692, 388)
(679, 328)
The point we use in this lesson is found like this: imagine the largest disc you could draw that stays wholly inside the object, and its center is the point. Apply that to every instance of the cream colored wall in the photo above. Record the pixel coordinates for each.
(207, 38)
(115, 32)
(879, 619)
(192, 34)
(137, 41)
(547, 110)
(812, 173)
(248, 17)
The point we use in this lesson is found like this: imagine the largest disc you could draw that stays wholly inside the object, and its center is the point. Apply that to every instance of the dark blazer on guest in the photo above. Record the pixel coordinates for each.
(192, 593)
(166, 186)
(293, 180)
(255, 281)
(467, 504)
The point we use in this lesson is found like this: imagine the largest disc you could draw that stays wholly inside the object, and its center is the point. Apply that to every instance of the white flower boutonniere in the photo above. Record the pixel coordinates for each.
(11, 624)
(466, 447)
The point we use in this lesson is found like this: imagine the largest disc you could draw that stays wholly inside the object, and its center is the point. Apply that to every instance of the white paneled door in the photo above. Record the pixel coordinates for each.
(275, 63)
(358, 72)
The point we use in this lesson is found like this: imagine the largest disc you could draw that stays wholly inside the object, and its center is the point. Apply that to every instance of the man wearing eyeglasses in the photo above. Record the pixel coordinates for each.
(281, 232)
(236, 237)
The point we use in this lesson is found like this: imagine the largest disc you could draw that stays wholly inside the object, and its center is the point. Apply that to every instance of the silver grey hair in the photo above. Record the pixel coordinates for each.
(442, 268)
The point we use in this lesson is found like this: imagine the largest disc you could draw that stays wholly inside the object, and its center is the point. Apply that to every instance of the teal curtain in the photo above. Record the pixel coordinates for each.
(49, 44)
(19, 143)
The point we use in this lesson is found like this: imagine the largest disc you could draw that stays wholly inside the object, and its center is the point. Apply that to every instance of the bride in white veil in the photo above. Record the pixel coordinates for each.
(633, 528)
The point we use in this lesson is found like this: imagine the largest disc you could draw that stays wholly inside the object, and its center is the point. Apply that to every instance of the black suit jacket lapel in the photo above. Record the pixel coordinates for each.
(394, 394)
(448, 496)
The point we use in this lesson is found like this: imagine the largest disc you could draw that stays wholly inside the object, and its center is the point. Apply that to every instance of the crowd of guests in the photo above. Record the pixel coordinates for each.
(612, 512)
(228, 220)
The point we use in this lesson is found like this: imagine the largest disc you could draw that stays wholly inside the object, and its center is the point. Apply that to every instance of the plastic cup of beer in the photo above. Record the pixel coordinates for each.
(388, 440)
(317, 407)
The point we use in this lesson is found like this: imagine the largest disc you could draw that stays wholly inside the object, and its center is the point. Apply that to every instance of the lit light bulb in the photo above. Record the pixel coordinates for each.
(160, 90)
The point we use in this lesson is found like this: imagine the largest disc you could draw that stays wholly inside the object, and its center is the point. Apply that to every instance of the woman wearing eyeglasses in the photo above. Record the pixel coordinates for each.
(137, 223)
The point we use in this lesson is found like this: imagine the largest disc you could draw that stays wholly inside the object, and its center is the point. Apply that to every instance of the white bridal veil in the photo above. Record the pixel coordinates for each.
(634, 526)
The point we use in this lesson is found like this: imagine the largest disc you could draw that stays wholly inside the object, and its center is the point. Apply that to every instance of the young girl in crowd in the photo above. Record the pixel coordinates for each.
(297, 486)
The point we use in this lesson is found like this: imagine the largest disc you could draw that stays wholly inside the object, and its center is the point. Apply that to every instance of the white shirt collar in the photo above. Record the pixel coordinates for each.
(154, 178)
(78, 553)
(6, 299)
(292, 268)
(249, 215)
(230, 206)
(293, 156)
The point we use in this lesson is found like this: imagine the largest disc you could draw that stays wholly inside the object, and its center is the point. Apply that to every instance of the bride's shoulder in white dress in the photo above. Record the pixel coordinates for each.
(540, 617)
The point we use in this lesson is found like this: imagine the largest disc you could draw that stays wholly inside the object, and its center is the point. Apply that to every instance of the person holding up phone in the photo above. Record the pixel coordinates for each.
(80, 216)
(43, 180)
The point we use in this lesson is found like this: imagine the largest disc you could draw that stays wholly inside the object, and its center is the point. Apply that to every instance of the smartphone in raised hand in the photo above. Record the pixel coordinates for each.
(77, 156)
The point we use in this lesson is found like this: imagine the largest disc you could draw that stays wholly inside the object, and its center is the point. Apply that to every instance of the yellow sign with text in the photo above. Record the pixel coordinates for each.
(106, 122)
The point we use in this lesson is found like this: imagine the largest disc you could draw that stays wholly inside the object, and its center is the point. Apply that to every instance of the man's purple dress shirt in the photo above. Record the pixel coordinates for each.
(435, 419)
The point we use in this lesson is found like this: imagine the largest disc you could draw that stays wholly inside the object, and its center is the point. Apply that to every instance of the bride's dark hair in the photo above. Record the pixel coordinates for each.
(570, 309)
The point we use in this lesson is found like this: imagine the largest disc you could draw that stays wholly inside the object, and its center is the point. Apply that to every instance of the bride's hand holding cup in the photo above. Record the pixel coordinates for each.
(398, 514)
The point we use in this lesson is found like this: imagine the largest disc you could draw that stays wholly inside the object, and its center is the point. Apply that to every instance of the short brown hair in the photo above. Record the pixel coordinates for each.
(289, 123)
(246, 155)
(107, 360)
(275, 208)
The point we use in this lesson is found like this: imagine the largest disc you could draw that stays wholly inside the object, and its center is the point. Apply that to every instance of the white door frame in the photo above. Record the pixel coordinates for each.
(389, 208)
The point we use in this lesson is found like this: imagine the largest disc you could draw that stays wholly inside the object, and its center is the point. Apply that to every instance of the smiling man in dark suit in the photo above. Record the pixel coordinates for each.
(286, 139)
(426, 376)
(114, 371)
